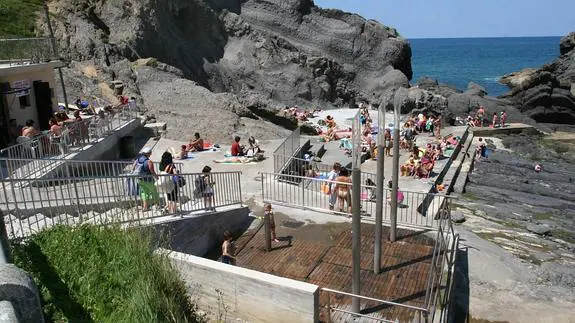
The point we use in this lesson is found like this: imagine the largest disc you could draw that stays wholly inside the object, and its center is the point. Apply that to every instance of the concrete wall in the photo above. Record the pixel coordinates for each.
(199, 234)
(248, 295)
(37, 72)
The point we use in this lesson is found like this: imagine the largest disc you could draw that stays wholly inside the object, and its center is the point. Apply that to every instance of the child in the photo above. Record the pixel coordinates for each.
(228, 250)
(183, 153)
(268, 213)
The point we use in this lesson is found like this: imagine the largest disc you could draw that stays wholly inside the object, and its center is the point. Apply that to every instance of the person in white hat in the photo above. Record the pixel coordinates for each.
(144, 167)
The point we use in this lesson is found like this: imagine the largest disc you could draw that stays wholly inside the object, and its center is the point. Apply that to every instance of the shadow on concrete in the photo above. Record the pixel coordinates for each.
(408, 263)
(459, 311)
(61, 296)
(401, 300)
(411, 234)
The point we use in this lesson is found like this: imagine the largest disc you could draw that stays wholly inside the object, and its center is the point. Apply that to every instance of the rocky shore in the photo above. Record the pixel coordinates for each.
(530, 214)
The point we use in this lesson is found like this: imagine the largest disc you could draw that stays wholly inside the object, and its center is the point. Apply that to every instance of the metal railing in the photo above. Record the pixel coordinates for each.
(27, 50)
(420, 313)
(287, 148)
(421, 210)
(75, 137)
(31, 205)
(55, 168)
(299, 167)
(440, 274)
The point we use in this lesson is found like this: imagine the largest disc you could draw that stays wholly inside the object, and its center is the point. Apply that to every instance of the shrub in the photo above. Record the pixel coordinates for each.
(103, 274)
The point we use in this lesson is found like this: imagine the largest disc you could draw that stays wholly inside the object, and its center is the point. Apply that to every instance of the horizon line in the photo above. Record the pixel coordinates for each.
(482, 37)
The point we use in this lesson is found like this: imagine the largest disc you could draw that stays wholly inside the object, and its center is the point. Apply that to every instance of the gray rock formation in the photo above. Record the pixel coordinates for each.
(538, 229)
(282, 52)
(547, 94)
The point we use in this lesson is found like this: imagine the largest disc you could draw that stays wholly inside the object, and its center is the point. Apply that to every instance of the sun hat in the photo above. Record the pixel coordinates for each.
(146, 150)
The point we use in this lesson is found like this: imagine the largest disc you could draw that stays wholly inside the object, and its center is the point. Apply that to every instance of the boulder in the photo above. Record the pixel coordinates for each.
(457, 217)
(538, 229)
(567, 43)
(476, 89)
(547, 94)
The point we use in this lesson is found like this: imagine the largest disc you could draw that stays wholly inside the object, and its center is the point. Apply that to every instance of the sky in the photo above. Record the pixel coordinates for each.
(463, 18)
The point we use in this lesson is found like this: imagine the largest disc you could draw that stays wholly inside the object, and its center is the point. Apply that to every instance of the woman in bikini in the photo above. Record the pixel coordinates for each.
(343, 188)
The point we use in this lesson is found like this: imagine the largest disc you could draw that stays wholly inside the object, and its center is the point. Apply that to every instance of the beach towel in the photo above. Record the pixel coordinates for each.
(448, 152)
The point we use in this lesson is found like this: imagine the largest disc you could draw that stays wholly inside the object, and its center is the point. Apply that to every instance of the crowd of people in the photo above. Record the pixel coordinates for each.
(498, 120)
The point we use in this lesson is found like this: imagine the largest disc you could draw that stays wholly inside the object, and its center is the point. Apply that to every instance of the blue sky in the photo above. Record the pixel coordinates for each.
(463, 18)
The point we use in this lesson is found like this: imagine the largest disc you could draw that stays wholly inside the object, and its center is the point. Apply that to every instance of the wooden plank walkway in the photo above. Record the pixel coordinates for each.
(326, 260)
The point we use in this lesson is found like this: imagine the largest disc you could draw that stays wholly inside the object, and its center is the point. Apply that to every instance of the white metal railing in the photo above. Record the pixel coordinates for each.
(421, 210)
(16, 168)
(287, 148)
(418, 311)
(76, 136)
(30, 205)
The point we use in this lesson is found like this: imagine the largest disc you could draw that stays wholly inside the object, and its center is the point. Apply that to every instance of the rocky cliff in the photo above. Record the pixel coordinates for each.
(547, 94)
(241, 56)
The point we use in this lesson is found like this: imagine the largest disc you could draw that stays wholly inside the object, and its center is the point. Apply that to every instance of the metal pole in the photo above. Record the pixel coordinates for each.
(379, 188)
(356, 214)
(356, 233)
(395, 175)
(55, 50)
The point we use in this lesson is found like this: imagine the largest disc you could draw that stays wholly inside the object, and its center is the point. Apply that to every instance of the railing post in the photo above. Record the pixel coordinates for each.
(239, 181)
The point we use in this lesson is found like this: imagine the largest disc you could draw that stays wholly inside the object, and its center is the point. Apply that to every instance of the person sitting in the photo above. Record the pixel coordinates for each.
(254, 148)
(29, 130)
(237, 149)
(408, 169)
(196, 143)
(183, 154)
(55, 128)
(330, 122)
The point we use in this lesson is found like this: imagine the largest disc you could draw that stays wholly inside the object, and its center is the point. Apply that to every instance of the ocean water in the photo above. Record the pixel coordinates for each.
(457, 61)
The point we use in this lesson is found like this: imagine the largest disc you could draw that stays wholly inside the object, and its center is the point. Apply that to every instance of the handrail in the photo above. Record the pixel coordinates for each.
(416, 308)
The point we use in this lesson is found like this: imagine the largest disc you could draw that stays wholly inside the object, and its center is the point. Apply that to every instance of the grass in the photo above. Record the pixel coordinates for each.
(563, 235)
(542, 216)
(18, 17)
(103, 274)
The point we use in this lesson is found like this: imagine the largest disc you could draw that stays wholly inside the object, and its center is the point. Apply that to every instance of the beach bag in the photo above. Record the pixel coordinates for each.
(132, 187)
(164, 184)
(325, 188)
(179, 181)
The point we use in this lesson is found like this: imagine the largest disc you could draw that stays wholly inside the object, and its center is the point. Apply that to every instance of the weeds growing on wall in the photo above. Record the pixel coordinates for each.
(103, 274)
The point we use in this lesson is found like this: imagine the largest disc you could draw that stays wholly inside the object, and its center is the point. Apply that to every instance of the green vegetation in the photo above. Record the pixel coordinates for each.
(563, 235)
(103, 274)
(470, 196)
(542, 216)
(18, 17)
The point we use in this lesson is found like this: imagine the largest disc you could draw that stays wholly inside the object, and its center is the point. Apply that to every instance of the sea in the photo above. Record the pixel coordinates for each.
(458, 61)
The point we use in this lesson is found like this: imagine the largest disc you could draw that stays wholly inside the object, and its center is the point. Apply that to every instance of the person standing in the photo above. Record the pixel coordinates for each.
(331, 176)
(387, 142)
(494, 121)
(145, 169)
(270, 217)
(167, 165)
(228, 250)
(481, 115)
(503, 119)
(206, 187)
(343, 187)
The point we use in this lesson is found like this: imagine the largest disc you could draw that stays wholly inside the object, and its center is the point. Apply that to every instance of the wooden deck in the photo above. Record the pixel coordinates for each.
(326, 260)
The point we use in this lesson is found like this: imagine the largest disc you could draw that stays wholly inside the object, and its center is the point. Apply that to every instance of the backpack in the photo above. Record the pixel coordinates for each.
(141, 167)
(408, 134)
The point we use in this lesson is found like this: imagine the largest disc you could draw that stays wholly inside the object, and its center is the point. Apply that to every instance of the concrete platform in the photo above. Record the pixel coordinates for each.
(321, 255)
(509, 129)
